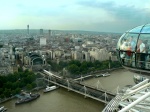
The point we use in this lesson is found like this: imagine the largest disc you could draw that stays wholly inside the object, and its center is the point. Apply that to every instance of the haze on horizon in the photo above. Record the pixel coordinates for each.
(89, 15)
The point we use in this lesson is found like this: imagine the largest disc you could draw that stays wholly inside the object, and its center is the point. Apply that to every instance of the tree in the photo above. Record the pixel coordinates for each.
(18, 90)
(63, 64)
(2, 81)
(76, 62)
(33, 84)
(20, 69)
(54, 66)
(89, 64)
(1, 90)
(7, 92)
(29, 87)
(14, 49)
(2, 96)
(97, 64)
(115, 64)
(83, 67)
(30, 78)
(1, 46)
(8, 85)
(38, 75)
(26, 71)
(74, 69)
(13, 83)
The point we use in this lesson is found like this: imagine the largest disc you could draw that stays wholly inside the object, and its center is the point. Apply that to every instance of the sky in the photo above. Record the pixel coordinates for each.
(88, 15)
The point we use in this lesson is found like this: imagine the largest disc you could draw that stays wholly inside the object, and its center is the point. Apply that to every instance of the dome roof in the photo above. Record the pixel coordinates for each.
(36, 59)
(141, 29)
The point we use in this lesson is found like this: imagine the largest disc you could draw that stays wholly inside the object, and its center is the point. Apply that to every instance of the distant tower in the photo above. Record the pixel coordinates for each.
(49, 36)
(49, 33)
(28, 29)
(41, 32)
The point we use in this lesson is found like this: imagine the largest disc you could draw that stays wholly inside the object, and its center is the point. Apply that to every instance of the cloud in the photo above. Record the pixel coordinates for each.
(122, 12)
(96, 15)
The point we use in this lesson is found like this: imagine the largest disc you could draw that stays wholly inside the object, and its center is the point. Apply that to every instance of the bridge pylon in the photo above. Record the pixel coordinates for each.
(68, 84)
(85, 91)
(105, 96)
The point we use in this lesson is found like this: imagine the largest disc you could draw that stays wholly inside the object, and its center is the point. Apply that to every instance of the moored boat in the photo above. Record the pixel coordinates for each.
(27, 98)
(105, 75)
(3, 109)
(102, 75)
(48, 89)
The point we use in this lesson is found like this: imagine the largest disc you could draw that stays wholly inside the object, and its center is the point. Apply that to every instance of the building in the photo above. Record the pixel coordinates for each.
(49, 33)
(28, 29)
(42, 41)
(81, 55)
(99, 54)
(86, 56)
(34, 61)
(77, 40)
(41, 32)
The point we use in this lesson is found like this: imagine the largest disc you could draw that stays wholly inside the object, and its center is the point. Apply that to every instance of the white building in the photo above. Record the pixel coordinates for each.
(99, 54)
(42, 41)
(76, 55)
(76, 40)
(11, 50)
(81, 55)
(58, 53)
(27, 60)
(53, 54)
(77, 47)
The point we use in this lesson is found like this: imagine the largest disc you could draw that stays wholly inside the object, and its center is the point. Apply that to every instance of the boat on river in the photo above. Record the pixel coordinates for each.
(102, 75)
(27, 98)
(49, 88)
(3, 109)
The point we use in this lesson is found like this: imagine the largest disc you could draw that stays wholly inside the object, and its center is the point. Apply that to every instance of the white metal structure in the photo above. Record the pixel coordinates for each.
(134, 99)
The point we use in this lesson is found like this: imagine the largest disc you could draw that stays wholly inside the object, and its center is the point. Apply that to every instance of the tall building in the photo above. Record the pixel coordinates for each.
(49, 33)
(41, 32)
(28, 29)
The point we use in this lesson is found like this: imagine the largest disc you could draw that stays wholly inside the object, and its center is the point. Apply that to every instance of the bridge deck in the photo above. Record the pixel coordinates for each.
(97, 94)
(86, 95)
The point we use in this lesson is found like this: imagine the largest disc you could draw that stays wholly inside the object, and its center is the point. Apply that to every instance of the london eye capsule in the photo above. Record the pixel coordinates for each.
(133, 49)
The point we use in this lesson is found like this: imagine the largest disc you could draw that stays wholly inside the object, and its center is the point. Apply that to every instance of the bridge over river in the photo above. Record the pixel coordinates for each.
(73, 85)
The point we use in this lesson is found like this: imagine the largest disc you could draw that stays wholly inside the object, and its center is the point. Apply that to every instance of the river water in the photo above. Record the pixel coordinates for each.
(61, 100)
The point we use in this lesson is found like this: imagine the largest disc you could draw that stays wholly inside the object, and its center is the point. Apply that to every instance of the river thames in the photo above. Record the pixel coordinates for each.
(61, 100)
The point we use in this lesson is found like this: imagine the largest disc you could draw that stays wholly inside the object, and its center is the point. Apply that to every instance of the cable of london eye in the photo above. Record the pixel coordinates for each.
(133, 49)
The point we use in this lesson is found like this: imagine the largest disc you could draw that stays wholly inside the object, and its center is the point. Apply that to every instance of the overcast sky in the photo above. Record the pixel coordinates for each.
(89, 15)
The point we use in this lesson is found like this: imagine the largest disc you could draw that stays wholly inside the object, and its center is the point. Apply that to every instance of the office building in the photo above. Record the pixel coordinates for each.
(28, 29)
(41, 32)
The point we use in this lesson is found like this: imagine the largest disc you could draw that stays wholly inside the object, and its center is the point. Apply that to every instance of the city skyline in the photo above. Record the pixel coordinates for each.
(87, 15)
